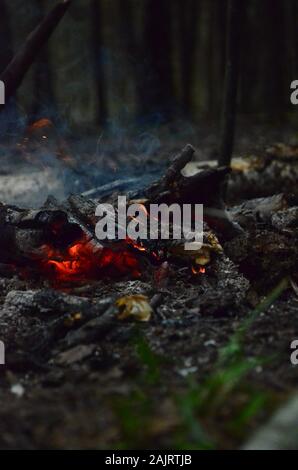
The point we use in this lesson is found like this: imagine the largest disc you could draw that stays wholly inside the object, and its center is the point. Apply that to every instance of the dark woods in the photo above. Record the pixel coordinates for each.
(154, 61)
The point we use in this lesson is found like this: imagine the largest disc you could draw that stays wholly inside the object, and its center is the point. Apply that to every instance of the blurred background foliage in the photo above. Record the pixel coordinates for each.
(128, 61)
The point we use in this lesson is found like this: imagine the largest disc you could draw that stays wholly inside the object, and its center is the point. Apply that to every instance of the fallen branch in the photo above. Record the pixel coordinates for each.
(205, 187)
(16, 70)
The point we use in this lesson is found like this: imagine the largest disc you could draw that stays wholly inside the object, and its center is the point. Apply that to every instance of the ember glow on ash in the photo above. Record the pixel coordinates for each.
(198, 270)
(40, 124)
(83, 261)
(135, 244)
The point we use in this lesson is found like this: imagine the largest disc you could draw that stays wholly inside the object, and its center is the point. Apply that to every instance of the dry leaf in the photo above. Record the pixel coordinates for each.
(202, 256)
(134, 306)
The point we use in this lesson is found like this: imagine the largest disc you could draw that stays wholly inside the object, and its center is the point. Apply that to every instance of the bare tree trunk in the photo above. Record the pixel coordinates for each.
(96, 12)
(157, 82)
(209, 58)
(6, 51)
(218, 35)
(188, 26)
(44, 102)
(133, 48)
(275, 69)
(10, 117)
(234, 17)
(150, 56)
(291, 12)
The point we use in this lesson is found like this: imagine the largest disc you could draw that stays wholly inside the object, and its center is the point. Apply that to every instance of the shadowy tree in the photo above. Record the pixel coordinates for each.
(234, 22)
(158, 88)
(6, 50)
(274, 75)
(150, 56)
(96, 14)
(10, 116)
(188, 19)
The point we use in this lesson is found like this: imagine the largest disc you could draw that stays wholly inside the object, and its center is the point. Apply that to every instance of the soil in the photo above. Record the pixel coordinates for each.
(77, 376)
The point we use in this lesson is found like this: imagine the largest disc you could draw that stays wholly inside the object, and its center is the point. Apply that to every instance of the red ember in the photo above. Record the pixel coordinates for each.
(83, 261)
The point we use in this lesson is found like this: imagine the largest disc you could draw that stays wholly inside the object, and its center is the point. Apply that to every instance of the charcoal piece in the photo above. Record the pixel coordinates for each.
(78, 217)
(286, 219)
(224, 291)
(49, 302)
(23, 233)
(34, 320)
(93, 330)
(83, 209)
(205, 187)
(75, 354)
(264, 257)
(263, 182)
(259, 210)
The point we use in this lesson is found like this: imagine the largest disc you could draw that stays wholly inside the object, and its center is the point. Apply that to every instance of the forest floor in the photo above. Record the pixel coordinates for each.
(157, 385)
(198, 375)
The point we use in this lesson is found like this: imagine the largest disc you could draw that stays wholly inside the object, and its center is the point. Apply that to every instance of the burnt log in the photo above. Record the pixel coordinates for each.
(261, 210)
(35, 319)
(24, 233)
(205, 187)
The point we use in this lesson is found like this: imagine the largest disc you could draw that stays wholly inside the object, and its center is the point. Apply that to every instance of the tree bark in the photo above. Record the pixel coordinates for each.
(6, 52)
(274, 72)
(8, 123)
(157, 97)
(188, 27)
(96, 11)
(234, 20)
(44, 102)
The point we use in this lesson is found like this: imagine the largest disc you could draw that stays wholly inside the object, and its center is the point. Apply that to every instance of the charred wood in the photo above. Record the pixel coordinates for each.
(23, 233)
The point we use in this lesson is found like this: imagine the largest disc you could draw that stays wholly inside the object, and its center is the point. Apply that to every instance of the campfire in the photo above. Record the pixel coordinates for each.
(146, 284)
(82, 262)
(58, 241)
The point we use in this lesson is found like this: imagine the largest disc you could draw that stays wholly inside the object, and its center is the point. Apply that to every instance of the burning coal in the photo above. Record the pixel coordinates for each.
(85, 260)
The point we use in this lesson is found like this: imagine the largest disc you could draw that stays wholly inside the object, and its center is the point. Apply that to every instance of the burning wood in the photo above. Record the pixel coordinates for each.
(59, 240)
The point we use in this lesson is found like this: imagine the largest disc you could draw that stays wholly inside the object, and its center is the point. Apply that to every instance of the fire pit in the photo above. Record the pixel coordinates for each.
(148, 287)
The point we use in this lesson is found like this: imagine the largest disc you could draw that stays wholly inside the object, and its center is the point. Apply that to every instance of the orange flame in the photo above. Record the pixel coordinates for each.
(84, 261)
(198, 270)
(40, 124)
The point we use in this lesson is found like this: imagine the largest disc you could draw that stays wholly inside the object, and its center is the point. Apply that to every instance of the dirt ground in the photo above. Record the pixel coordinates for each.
(209, 367)
(137, 385)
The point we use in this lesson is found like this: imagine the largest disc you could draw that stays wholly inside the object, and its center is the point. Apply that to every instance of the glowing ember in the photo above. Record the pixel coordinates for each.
(40, 124)
(198, 270)
(85, 261)
(136, 245)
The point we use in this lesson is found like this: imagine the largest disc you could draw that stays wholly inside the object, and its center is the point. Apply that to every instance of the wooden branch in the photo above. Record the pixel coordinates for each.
(24, 232)
(205, 187)
(15, 72)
